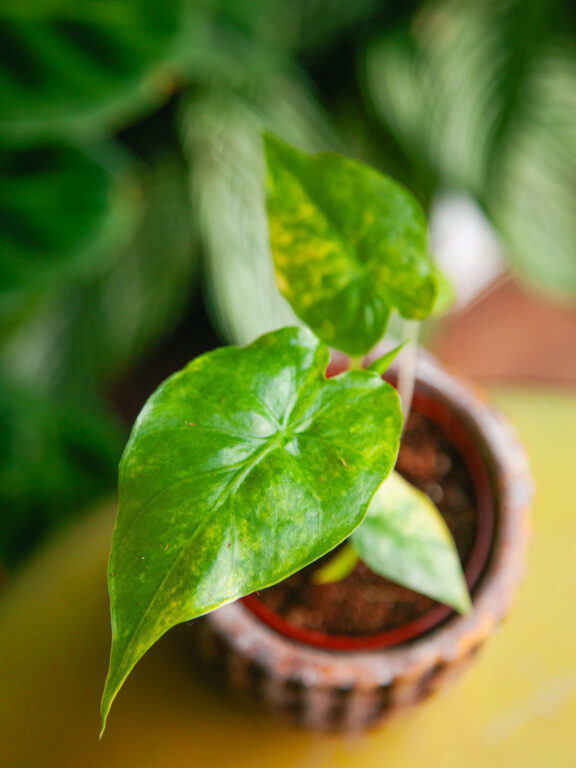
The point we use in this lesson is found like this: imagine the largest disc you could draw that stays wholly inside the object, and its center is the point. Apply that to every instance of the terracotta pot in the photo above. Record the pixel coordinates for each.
(327, 685)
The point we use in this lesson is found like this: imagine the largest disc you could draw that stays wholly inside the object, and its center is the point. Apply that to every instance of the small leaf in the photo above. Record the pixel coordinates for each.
(382, 364)
(349, 245)
(405, 539)
(241, 469)
(338, 567)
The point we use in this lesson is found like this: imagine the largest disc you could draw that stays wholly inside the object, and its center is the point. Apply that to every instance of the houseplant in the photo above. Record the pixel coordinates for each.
(249, 465)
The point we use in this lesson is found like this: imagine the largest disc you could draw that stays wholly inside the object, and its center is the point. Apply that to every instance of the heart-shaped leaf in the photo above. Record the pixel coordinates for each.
(404, 538)
(241, 469)
(349, 245)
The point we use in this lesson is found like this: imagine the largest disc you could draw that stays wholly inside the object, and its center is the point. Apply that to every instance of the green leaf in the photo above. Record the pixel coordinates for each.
(405, 539)
(349, 245)
(481, 98)
(451, 82)
(55, 211)
(241, 469)
(86, 336)
(382, 364)
(69, 66)
(533, 196)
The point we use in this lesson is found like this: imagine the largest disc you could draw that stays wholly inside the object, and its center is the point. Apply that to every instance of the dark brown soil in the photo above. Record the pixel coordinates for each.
(364, 603)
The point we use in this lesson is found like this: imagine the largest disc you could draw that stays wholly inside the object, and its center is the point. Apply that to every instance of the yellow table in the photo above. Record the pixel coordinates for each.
(516, 707)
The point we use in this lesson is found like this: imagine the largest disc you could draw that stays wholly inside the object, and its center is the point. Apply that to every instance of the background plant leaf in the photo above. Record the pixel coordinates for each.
(480, 97)
(232, 481)
(86, 334)
(405, 539)
(58, 207)
(532, 201)
(221, 130)
(70, 66)
(349, 245)
(56, 455)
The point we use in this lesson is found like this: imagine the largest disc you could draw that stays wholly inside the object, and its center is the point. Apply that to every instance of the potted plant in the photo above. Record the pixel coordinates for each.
(251, 465)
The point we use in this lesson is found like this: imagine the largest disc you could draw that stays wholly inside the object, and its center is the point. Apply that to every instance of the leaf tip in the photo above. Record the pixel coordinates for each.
(463, 604)
(103, 719)
(104, 710)
(382, 364)
(458, 596)
(111, 688)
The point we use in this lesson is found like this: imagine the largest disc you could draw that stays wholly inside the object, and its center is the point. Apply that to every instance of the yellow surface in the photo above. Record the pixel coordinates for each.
(516, 707)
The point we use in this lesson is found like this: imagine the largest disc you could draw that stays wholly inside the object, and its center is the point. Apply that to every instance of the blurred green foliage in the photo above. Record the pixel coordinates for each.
(482, 95)
(131, 161)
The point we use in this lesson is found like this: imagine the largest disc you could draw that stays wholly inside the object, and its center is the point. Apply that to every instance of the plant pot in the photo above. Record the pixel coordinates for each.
(332, 682)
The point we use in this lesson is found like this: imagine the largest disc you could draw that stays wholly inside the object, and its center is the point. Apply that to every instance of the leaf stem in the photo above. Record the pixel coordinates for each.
(407, 365)
(356, 363)
(338, 567)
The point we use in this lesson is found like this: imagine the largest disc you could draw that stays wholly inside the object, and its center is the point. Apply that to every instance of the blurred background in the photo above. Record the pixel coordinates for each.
(132, 229)
(133, 237)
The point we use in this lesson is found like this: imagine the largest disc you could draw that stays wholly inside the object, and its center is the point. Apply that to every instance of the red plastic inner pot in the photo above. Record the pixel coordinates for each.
(464, 442)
